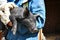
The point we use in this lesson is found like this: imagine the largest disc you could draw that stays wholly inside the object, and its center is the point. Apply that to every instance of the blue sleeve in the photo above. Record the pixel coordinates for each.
(38, 7)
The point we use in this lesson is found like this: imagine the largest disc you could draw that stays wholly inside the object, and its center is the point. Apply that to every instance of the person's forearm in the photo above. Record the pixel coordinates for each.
(40, 34)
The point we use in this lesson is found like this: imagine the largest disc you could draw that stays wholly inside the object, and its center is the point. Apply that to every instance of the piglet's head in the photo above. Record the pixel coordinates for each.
(30, 21)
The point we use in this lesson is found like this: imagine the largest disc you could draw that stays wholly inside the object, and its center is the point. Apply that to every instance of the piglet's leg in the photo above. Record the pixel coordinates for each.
(14, 28)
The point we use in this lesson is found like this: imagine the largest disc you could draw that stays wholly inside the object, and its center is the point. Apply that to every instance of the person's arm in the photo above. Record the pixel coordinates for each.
(38, 7)
(40, 35)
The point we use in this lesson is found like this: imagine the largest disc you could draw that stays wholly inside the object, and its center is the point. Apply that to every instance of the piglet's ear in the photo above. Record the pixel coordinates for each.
(26, 12)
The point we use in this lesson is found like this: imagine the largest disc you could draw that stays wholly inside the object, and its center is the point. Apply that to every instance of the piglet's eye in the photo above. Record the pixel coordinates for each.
(2, 11)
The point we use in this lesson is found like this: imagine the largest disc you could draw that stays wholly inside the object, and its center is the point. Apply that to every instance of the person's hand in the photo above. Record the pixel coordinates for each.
(9, 24)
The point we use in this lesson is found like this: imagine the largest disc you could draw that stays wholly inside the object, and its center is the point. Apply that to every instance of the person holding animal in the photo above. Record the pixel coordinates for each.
(22, 33)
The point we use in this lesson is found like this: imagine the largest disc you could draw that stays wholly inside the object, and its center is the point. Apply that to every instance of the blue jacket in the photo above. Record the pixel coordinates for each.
(36, 7)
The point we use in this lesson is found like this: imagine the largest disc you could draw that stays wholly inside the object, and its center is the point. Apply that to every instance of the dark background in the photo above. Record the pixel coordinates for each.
(52, 24)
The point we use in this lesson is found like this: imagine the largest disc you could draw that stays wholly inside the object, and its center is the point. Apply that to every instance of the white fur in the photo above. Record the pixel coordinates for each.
(3, 2)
